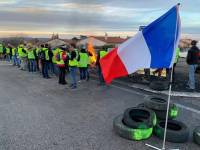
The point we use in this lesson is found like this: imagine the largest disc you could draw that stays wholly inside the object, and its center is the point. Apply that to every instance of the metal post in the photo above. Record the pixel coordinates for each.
(168, 103)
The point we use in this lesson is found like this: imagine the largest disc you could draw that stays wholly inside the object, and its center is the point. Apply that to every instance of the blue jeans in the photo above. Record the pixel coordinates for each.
(191, 81)
(32, 65)
(45, 67)
(83, 72)
(73, 76)
(7, 57)
(51, 67)
(14, 59)
(56, 69)
(18, 61)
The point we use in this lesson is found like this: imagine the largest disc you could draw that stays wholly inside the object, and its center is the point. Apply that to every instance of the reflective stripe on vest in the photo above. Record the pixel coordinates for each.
(103, 53)
(73, 63)
(84, 59)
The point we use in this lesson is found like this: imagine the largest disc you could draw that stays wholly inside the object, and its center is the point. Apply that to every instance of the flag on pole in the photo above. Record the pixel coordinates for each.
(153, 47)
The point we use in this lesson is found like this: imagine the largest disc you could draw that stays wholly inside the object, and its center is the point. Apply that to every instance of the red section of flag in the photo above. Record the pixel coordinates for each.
(112, 67)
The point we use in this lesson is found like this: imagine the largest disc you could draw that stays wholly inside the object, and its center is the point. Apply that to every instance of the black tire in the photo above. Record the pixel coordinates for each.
(129, 133)
(139, 118)
(156, 103)
(159, 85)
(177, 132)
(196, 135)
(173, 113)
(161, 114)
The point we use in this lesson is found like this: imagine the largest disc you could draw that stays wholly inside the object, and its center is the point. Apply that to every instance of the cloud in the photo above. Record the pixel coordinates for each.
(91, 16)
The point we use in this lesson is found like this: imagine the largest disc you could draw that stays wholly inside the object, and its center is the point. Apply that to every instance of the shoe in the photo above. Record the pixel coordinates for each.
(79, 81)
(64, 83)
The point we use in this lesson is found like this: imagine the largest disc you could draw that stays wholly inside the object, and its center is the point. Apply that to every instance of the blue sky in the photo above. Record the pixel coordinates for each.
(75, 17)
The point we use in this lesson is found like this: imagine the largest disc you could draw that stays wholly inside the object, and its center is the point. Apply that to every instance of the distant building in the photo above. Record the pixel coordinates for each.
(55, 41)
(99, 41)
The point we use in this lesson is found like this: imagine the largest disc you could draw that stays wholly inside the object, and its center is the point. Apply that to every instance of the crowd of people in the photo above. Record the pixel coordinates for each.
(58, 61)
(63, 59)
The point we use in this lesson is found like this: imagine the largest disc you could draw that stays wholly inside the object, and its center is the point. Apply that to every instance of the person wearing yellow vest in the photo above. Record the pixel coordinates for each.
(8, 52)
(61, 57)
(37, 50)
(55, 67)
(31, 60)
(14, 56)
(23, 56)
(83, 60)
(100, 55)
(1, 51)
(73, 64)
(44, 56)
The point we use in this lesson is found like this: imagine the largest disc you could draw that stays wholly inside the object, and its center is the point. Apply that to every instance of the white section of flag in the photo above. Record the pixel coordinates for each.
(135, 53)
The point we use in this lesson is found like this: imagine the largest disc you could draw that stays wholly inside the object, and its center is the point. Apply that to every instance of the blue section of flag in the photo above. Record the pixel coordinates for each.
(161, 37)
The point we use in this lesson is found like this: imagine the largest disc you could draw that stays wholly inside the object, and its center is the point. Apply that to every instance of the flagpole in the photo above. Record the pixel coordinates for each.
(168, 104)
(169, 94)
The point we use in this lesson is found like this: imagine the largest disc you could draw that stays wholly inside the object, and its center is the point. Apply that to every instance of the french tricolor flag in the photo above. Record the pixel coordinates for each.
(153, 47)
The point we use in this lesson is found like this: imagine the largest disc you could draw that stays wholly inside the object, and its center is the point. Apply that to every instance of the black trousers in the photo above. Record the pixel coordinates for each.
(62, 75)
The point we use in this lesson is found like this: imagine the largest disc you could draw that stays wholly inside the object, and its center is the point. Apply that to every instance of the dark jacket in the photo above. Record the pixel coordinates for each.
(193, 56)
(50, 55)
(73, 55)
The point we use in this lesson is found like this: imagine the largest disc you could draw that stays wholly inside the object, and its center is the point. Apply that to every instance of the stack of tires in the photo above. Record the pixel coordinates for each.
(196, 135)
(138, 123)
(177, 132)
(135, 124)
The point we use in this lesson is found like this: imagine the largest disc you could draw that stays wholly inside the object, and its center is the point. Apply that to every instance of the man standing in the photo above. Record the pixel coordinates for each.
(45, 61)
(73, 64)
(83, 63)
(31, 60)
(14, 56)
(8, 53)
(192, 61)
(61, 57)
(23, 56)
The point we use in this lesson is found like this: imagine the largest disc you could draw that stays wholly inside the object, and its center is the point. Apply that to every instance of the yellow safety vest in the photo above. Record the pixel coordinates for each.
(61, 61)
(7, 50)
(1, 48)
(21, 53)
(73, 63)
(13, 52)
(31, 54)
(103, 53)
(84, 59)
(46, 53)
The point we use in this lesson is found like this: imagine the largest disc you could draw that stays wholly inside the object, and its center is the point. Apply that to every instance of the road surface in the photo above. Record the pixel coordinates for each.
(39, 114)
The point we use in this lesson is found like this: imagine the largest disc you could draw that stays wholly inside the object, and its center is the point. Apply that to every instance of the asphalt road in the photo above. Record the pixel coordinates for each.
(39, 114)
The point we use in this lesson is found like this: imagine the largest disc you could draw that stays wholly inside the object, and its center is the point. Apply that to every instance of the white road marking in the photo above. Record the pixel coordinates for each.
(188, 108)
(134, 92)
